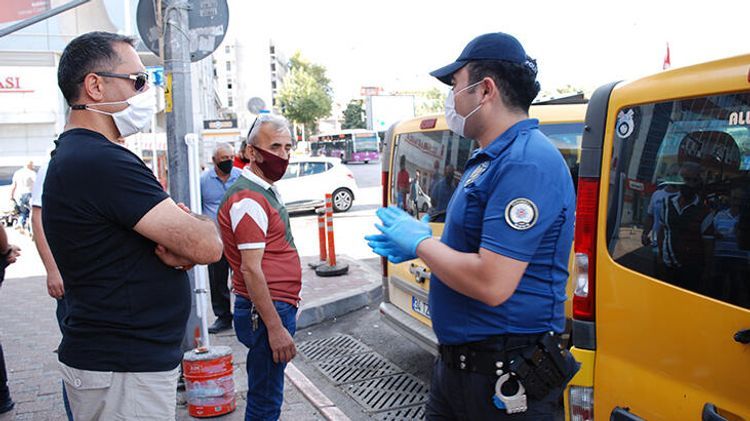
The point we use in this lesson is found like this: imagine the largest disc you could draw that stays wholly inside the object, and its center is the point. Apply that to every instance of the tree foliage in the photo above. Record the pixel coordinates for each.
(354, 115)
(431, 102)
(305, 95)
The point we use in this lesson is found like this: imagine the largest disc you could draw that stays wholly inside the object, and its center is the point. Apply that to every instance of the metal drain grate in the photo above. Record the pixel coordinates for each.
(402, 414)
(354, 368)
(333, 347)
(387, 393)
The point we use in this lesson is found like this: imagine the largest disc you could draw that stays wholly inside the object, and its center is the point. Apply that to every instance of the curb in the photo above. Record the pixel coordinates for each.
(320, 401)
(339, 305)
(340, 302)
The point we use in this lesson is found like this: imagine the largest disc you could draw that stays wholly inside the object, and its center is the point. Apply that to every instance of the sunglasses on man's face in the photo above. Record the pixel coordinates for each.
(139, 79)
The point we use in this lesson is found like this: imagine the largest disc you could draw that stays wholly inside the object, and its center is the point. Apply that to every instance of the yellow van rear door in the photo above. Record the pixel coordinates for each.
(673, 261)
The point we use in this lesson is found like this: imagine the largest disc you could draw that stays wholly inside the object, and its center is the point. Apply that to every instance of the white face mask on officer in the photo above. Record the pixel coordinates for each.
(454, 120)
(136, 117)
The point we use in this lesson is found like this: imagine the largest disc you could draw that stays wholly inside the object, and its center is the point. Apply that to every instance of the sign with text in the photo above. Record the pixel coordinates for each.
(13, 10)
(220, 124)
(12, 84)
(28, 94)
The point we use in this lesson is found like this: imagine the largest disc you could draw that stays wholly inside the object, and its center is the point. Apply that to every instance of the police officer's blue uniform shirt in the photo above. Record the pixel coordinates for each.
(516, 198)
(213, 189)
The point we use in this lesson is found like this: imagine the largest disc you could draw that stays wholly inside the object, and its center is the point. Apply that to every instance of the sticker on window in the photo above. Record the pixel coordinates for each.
(625, 124)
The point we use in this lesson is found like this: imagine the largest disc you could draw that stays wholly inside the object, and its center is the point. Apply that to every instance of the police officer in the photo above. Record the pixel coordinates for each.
(500, 268)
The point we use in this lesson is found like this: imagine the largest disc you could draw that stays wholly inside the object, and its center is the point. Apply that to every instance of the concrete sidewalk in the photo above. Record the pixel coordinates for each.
(29, 335)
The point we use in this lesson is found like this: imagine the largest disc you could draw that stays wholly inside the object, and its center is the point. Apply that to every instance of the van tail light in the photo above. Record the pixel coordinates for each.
(581, 403)
(384, 183)
(585, 248)
(428, 123)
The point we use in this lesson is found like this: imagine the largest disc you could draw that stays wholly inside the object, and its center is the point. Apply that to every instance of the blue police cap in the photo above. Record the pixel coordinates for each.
(495, 46)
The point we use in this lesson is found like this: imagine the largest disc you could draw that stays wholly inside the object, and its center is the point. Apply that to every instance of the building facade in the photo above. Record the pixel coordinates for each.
(32, 110)
(249, 74)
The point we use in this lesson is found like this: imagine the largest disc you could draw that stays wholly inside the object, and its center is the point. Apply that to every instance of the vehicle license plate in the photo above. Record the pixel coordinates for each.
(420, 307)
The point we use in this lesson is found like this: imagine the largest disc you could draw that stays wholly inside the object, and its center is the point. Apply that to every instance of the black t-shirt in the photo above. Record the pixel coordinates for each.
(127, 311)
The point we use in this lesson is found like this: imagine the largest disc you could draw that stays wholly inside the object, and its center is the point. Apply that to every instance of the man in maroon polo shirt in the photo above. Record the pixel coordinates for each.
(267, 275)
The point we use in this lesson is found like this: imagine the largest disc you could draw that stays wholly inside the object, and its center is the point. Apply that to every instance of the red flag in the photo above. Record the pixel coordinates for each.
(667, 62)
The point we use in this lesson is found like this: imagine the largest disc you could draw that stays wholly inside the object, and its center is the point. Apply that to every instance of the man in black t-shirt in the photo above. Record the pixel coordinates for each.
(121, 244)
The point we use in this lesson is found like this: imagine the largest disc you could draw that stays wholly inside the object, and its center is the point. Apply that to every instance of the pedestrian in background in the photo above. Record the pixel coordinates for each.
(442, 191)
(121, 244)
(214, 184)
(500, 267)
(20, 192)
(415, 192)
(240, 160)
(402, 183)
(8, 255)
(267, 275)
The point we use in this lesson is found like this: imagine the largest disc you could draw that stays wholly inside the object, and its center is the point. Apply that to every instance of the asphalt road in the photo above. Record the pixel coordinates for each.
(351, 226)
(367, 175)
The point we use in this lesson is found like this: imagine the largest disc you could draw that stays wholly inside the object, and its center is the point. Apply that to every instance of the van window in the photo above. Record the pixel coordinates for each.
(679, 196)
(427, 158)
(567, 139)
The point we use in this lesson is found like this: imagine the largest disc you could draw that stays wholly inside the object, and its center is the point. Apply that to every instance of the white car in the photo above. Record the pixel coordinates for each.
(424, 202)
(308, 179)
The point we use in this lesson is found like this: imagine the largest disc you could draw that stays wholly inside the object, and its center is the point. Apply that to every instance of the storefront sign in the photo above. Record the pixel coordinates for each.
(12, 84)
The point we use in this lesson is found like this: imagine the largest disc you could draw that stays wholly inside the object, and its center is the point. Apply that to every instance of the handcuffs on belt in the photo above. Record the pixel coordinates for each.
(543, 366)
(511, 404)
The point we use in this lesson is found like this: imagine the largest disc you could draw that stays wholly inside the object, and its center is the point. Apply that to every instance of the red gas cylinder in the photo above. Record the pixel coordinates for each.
(209, 381)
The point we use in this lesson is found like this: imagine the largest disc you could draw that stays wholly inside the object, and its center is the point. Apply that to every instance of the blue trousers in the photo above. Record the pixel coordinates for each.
(24, 209)
(265, 378)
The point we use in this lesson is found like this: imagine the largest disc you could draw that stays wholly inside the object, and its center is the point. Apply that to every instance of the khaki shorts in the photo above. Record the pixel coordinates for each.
(107, 395)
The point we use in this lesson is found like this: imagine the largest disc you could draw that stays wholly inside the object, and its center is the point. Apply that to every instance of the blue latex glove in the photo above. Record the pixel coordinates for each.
(402, 232)
(381, 246)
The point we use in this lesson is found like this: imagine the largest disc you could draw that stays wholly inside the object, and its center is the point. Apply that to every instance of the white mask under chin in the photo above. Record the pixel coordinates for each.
(455, 121)
(135, 117)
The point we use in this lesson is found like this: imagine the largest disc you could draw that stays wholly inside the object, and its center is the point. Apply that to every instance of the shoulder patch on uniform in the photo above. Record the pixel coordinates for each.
(479, 170)
(521, 214)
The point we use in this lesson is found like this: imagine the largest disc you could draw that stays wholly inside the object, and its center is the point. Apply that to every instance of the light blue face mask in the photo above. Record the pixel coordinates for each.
(454, 120)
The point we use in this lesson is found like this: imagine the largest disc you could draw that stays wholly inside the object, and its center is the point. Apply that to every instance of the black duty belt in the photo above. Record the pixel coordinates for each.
(486, 356)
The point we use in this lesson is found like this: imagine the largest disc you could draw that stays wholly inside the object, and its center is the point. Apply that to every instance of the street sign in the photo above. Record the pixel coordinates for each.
(207, 19)
(156, 75)
(255, 105)
(220, 124)
(168, 94)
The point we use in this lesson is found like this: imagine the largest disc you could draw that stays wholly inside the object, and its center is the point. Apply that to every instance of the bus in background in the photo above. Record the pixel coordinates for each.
(356, 145)
(432, 158)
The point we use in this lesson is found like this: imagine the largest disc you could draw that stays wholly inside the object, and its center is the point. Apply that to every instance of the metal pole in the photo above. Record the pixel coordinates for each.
(127, 22)
(199, 271)
(154, 153)
(179, 112)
